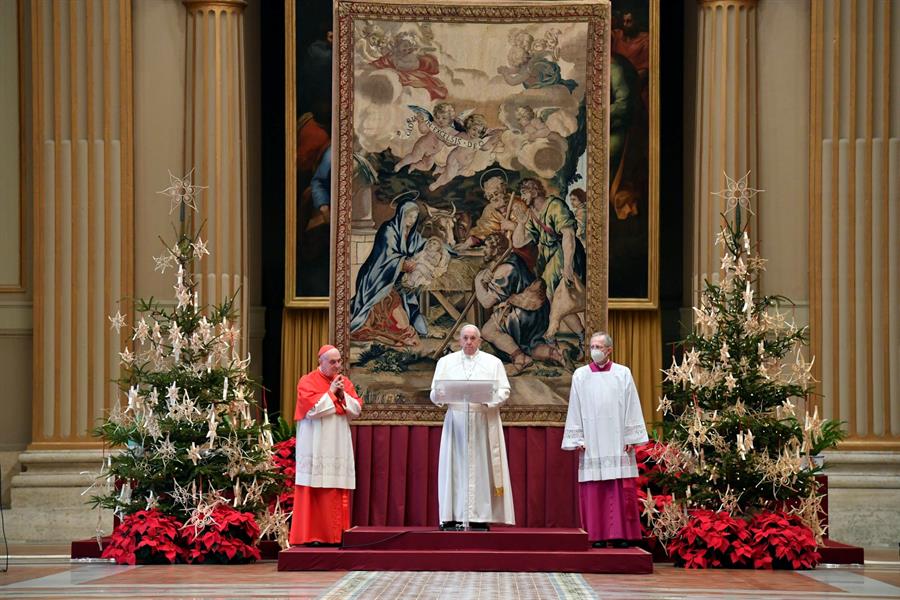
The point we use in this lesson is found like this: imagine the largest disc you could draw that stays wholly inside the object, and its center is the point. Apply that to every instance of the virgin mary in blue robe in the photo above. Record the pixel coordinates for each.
(396, 241)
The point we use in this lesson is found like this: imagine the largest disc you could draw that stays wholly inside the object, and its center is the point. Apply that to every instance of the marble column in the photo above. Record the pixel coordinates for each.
(724, 122)
(215, 134)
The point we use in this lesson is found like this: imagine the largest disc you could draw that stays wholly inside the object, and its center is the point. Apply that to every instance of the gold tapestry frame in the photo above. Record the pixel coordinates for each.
(596, 15)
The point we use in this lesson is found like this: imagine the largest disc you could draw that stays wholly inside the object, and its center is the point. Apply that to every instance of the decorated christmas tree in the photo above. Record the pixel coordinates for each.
(190, 472)
(737, 433)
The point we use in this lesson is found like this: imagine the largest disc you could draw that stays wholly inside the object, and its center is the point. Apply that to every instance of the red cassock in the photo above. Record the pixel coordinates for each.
(325, 470)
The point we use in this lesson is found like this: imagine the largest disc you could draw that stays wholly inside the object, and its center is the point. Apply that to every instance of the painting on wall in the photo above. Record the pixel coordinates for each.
(308, 104)
(471, 161)
(634, 155)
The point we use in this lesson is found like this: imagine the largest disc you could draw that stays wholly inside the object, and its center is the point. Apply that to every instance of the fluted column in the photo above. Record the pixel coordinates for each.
(725, 120)
(83, 227)
(215, 133)
(854, 176)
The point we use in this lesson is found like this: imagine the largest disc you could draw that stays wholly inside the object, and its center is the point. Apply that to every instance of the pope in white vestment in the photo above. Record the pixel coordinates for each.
(604, 423)
(485, 489)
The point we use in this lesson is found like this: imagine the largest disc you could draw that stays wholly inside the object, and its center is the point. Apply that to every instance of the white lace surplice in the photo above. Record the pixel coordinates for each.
(604, 415)
(324, 446)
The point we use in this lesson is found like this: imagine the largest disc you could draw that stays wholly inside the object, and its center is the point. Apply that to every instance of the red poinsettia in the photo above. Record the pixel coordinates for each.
(782, 541)
(230, 538)
(283, 455)
(146, 537)
(711, 539)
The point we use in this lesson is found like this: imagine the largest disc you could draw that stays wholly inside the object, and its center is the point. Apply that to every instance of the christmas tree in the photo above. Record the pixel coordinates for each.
(737, 434)
(192, 458)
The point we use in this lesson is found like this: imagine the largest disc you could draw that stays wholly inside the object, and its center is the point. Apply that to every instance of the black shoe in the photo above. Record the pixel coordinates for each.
(479, 527)
(599, 544)
(449, 526)
(621, 544)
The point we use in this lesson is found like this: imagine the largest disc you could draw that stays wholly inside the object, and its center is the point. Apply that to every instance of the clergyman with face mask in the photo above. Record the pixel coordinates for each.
(603, 425)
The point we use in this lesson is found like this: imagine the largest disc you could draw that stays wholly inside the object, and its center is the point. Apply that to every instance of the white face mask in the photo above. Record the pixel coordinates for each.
(598, 356)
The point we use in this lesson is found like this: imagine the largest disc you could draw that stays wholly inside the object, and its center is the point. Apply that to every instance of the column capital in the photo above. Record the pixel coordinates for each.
(195, 5)
(727, 3)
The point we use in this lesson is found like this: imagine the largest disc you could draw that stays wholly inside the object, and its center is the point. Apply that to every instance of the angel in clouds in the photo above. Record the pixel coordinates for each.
(476, 138)
(436, 129)
(532, 125)
(533, 63)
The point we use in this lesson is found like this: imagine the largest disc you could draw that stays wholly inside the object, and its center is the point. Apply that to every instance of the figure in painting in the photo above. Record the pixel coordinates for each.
(431, 262)
(532, 63)
(476, 138)
(382, 310)
(521, 310)
(634, 45)
(533, 126)
(414, 69)
(625, 147)
(561, 258)
(435, 129)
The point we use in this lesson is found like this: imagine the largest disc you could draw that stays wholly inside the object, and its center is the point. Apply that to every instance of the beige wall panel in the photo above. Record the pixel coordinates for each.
(15, 400)
(11, 199)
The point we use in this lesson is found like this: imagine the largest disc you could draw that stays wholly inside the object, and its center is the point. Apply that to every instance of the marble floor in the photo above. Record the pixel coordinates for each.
(41, 572)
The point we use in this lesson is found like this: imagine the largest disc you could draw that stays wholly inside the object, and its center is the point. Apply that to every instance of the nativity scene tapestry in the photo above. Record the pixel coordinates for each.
(470, 176)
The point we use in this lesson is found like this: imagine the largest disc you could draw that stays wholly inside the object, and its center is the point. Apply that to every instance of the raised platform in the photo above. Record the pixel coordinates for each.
(501, 549)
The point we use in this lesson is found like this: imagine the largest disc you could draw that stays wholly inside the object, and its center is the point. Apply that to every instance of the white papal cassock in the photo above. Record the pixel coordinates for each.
(486, 486)
(604, 416)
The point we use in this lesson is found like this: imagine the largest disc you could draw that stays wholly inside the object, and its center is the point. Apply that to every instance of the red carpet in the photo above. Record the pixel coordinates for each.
(501, 549)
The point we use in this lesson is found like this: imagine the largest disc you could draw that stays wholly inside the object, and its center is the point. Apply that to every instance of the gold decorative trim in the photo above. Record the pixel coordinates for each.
(651, 302)
(393, 414)
(863, 444)
(596, 14)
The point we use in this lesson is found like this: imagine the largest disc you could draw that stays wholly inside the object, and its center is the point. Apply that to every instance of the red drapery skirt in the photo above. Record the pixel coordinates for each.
(397, 465)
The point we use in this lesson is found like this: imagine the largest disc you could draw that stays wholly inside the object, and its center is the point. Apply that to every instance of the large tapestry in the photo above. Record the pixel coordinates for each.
(471, 166)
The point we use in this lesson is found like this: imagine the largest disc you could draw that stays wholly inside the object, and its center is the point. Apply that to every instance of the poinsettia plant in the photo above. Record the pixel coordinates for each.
(229, 537)
(147, 537)
(782, 541)
(711, 539)
(284, 459)
(768, 540)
